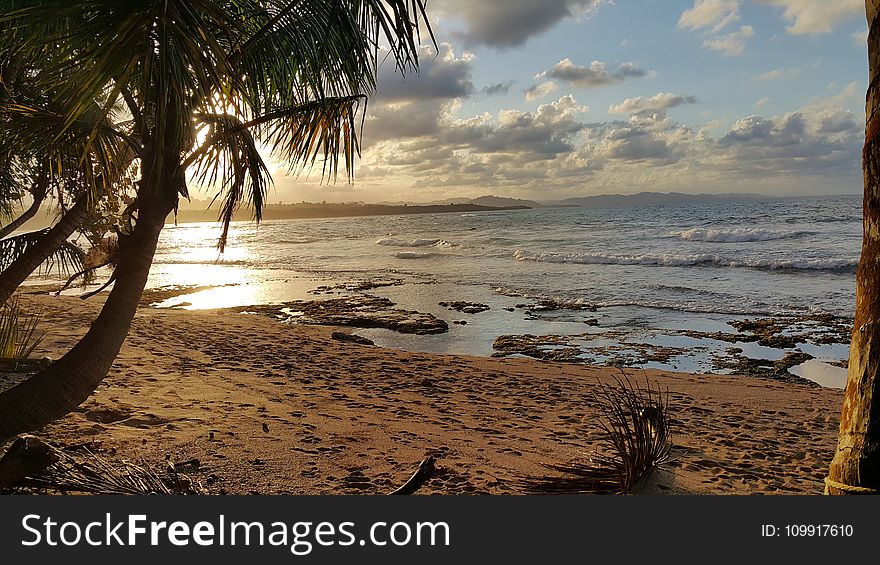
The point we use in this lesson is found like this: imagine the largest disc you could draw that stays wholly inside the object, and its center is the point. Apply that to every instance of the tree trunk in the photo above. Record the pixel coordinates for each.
(64, 385)
(20, 269)
(39, 195)
(67, 383)
(856, 465)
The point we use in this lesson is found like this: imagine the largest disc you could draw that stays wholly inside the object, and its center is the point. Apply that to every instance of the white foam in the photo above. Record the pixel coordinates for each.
(413, 255)
(298, 241)
(737, 235)
(392, 242)
(699, 259)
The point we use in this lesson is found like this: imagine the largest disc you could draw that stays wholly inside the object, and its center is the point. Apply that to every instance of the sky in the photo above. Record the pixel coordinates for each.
(554, 99)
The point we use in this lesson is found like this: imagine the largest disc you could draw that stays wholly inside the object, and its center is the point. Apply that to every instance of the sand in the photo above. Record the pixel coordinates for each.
(272, 408)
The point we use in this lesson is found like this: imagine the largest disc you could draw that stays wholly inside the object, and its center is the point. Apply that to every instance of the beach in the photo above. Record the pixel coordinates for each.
(266, 407)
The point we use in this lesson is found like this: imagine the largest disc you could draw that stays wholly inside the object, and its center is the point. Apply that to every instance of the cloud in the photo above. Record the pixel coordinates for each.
(762, 102)
(711, 17)
(779, 73)
(498, 89)
(659, 102)
(860, 38)
(415, 105)
(509, 23)
(730, 44)
(545, 132)
(597, 74)
(540, 90)
(441, 75)
(817, 16)
(819, 139)
(425, 149)
(712, 14)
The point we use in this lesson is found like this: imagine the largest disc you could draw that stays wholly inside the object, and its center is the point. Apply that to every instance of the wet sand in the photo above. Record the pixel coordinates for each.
(275, 408)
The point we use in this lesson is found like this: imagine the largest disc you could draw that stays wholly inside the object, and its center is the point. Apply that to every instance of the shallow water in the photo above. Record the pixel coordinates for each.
(647, 272)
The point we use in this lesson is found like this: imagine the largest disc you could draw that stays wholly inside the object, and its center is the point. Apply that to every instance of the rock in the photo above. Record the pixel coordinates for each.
(549, 305)
(465, 307)
(353, 338)
(592, 322)
(359, 311)
(777, 370)
(549, 348)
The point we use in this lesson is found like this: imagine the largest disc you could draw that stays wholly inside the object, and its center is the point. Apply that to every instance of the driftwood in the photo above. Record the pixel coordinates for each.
(26, 456)
(415, 482)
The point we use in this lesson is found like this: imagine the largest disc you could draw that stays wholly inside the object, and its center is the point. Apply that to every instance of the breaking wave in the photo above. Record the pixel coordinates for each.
(735, 235)
(391, 242)
(700, 259)
(413, 255)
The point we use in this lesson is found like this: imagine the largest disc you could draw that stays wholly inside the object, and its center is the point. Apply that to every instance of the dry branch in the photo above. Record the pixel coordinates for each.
(415, 482)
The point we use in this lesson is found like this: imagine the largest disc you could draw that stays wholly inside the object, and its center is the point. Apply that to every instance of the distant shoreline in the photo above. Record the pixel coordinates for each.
(308, 210)
(201, 210)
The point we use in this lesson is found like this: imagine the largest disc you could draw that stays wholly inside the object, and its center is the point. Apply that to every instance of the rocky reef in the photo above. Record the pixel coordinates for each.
(358, 311)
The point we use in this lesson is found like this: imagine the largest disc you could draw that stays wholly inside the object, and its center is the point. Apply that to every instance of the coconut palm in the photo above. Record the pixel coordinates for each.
(856, 465)
(41, 157)
(207, 83)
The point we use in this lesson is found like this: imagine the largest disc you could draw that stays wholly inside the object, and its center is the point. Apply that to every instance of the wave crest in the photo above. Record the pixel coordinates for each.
(738, 235)
(413, 255)
(392, 242)
(699, 259)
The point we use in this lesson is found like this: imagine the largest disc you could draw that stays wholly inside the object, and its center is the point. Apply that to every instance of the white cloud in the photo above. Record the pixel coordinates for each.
(711, 14)
(423, 148)
(762, 102)
(779, 73)
(860, 37)
(730, 44)
(659, 102)
(540, 90)
(712, 17)
(817, 16)
(597, 74)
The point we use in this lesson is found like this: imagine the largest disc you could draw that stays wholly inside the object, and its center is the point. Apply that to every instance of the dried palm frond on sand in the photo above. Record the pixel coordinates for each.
(73, 472)
(637, 441)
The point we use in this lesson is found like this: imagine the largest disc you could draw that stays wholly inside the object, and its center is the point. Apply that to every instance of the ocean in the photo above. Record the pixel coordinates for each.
(652, 286)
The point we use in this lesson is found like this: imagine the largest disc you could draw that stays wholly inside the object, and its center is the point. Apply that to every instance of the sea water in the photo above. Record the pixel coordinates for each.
(642, 273)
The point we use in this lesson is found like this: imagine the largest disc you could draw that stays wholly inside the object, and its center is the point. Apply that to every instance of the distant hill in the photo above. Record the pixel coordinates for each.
(653, 198)
(491, 200)
(486, 200)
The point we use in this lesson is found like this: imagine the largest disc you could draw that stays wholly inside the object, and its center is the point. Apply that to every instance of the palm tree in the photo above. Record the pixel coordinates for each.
(856, 465)
(88, 157)
(206, 82)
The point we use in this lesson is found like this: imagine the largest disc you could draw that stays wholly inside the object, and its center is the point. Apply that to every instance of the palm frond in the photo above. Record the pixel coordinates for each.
(637, 441)
(85, 159)
(233, 162)
(79, 470)
(291, 74)
(67, 259)
(18, 331)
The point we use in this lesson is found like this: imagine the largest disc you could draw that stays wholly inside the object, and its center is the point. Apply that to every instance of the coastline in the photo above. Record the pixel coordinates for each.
(349, 418)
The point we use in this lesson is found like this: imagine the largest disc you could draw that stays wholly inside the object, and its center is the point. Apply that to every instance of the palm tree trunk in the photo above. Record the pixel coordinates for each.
(856, 465)
(64, 385)
(23, 266)
(39, 195)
